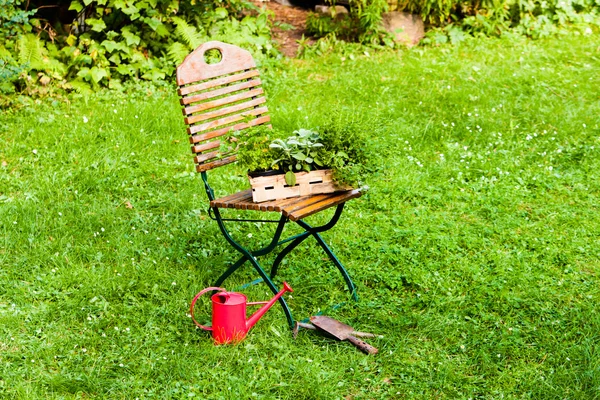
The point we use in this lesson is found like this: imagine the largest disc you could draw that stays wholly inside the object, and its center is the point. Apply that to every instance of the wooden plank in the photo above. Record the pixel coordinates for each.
(306, 201)
(334, 200)
(220, 132)
(227, 120)
(267, 188)
(218, 92)
(231, 199)
(224, 101)
(206, 146)
(194, 68)
(217, 82)
(215, 164)
(224, 111)
(200, 158)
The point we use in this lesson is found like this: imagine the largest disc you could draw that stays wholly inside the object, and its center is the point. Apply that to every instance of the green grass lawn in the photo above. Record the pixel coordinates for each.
(476, 250)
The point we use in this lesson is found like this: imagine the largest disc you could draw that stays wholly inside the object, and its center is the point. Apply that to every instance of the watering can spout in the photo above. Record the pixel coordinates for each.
(259, 313)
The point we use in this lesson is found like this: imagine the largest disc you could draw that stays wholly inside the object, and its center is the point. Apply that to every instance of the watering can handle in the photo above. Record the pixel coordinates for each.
(208, 289)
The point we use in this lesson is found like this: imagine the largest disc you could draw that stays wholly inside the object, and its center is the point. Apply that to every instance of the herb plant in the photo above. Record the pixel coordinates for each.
(299, 152)
(340, 144)
(252, 146)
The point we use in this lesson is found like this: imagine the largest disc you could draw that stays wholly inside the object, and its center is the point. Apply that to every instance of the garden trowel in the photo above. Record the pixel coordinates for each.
(341, 331)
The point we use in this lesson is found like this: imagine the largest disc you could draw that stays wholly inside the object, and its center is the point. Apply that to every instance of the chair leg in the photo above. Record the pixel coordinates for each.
(230, 271)
(248, 255)
(315, 233)
(286, 251)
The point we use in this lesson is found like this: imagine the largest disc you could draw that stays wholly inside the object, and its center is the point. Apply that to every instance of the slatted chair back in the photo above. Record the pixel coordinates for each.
(218, 99)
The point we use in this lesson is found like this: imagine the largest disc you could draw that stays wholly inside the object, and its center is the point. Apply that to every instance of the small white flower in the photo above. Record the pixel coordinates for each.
(115, 111)
(174, 283)
(121, 365)
(34, 151)
(249, 235)
(85, 120)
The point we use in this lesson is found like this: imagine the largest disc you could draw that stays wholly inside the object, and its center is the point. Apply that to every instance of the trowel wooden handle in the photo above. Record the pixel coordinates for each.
(363, 346)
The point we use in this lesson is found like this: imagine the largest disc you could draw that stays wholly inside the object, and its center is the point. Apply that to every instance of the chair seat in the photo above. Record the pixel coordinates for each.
(294, 208)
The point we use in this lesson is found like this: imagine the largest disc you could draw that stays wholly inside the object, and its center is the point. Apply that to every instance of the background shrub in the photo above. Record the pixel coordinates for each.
(86, 44)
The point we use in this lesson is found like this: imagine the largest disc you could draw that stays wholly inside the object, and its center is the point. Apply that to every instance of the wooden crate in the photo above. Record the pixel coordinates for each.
(274, 187)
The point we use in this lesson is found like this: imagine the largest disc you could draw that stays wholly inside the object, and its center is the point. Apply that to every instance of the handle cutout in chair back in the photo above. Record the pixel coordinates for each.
(213, 56)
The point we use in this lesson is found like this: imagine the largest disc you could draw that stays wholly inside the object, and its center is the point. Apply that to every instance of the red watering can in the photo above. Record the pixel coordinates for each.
(229, 324)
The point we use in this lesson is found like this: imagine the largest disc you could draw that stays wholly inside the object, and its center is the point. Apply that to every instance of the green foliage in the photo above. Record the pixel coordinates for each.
(349, 146)
(533, 18)
(341, 144)
(361, 24)
(454, 20)
(113, 41)
(252, 147)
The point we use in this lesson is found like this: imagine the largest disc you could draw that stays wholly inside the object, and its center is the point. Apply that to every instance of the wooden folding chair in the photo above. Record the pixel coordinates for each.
(224, 97)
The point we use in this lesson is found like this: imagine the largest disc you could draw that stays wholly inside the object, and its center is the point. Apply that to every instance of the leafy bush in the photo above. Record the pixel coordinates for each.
(362, 23)
(112, 41)
(456, 20)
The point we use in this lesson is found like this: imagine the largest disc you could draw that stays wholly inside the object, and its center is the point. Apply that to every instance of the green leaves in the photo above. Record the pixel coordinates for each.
(94, 74)
(97, 25)
(145, 39)
(290, 178)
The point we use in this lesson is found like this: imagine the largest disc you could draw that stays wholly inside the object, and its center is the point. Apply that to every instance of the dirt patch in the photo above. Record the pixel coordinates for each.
(286, 37)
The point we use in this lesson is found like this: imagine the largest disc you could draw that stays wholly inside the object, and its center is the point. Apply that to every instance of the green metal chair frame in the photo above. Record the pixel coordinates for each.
(227, 96)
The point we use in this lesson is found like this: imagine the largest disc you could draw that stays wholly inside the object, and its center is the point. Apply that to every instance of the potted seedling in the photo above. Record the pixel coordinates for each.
(310, 161)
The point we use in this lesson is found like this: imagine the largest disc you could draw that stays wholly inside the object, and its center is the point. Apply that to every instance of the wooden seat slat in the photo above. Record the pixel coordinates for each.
(225, 111)
(304, 201)
(295, 208)
(224, 202)
(227, 120)
(218, 92)
(220, 132)
(322, 205)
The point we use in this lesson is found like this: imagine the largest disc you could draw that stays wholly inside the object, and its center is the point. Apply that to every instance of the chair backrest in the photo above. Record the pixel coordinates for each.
(218, 99)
